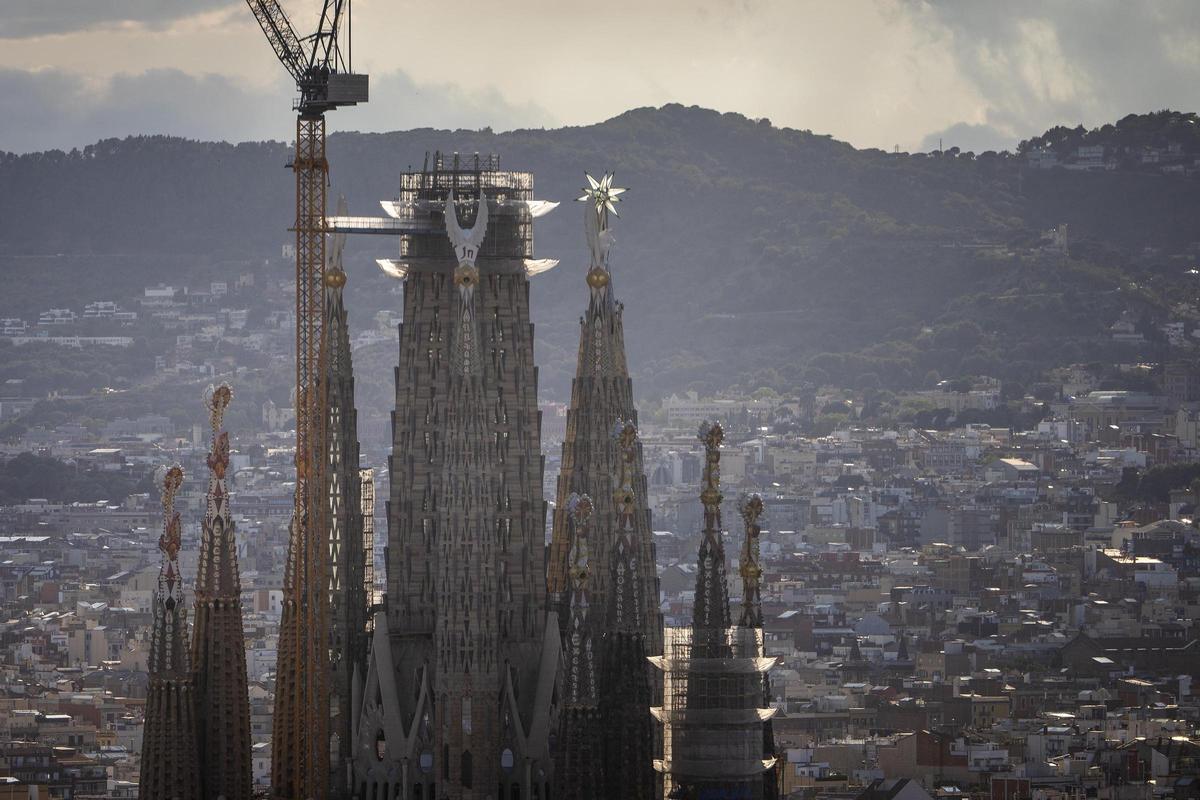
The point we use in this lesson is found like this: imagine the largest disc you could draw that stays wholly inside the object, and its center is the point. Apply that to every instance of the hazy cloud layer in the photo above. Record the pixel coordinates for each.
(1036, 64)
(51, 109)
(24, 18)
(978, 74)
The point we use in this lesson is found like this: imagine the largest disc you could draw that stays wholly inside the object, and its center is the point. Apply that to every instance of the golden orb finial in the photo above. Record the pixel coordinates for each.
(466, 275)
(597, 277)
(335, 278)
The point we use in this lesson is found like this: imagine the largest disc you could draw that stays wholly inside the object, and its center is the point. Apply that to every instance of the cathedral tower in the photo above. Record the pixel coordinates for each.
(602, 397)
(218, 644)
(458, 701)
(713, 699)
(602, 459)
(169, 759)
(348, 601)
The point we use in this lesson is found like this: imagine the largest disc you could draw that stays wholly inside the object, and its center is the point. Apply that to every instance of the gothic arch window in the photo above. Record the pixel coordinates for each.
(467, 776)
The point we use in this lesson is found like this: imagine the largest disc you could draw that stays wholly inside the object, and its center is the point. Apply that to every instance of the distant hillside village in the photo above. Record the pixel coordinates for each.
(1169, 159)
(1165, 142)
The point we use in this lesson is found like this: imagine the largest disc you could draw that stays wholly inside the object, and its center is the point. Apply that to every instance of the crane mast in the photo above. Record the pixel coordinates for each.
(300, 742)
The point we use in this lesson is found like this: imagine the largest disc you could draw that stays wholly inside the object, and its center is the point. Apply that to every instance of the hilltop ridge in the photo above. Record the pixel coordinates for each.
(747, 254)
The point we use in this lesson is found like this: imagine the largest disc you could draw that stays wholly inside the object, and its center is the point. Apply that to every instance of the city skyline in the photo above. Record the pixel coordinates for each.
(686, 455)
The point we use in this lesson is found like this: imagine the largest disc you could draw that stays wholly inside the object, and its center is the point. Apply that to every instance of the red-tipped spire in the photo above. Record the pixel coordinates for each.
(170, 767)
(219, 647)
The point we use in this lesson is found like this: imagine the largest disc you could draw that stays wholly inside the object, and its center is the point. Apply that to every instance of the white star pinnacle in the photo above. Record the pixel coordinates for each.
(602, 193)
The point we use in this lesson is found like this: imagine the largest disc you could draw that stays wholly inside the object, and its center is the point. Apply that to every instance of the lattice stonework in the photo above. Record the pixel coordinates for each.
(367, 499)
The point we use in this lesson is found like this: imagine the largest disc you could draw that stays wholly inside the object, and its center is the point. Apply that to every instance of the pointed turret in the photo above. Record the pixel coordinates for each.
(751, 509)
(625, 686)
(710, 615)
(348, 599)
(218, 646)
(602, 458)
(169, 764)
(579, 773)
(602, 395)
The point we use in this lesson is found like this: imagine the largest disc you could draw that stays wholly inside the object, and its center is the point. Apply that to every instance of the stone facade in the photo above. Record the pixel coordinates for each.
(458, 701)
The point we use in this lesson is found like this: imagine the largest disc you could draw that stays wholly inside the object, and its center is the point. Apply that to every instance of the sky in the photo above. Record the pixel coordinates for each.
(977, 74)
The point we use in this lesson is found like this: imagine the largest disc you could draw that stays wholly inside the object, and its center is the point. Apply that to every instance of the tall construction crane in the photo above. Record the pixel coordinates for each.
(300, 743)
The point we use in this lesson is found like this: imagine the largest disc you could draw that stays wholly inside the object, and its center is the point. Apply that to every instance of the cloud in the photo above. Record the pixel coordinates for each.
(968, 137)
(398, 102)
(876, 73)
(1034, 65)
(54, 109)
(29, 18)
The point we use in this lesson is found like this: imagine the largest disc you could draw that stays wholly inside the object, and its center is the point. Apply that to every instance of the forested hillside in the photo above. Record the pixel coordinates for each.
(747, 254)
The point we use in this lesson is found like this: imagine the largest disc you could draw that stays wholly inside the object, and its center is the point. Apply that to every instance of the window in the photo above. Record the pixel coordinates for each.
(467, 777)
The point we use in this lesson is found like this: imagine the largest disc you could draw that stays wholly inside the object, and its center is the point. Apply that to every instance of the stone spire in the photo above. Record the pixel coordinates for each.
(348, 600)
(711, 610)
(751, 508)
(602, 395)
(579, 773)
(625, 686)
(218, 645)
(169, 765)
(602, 458)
